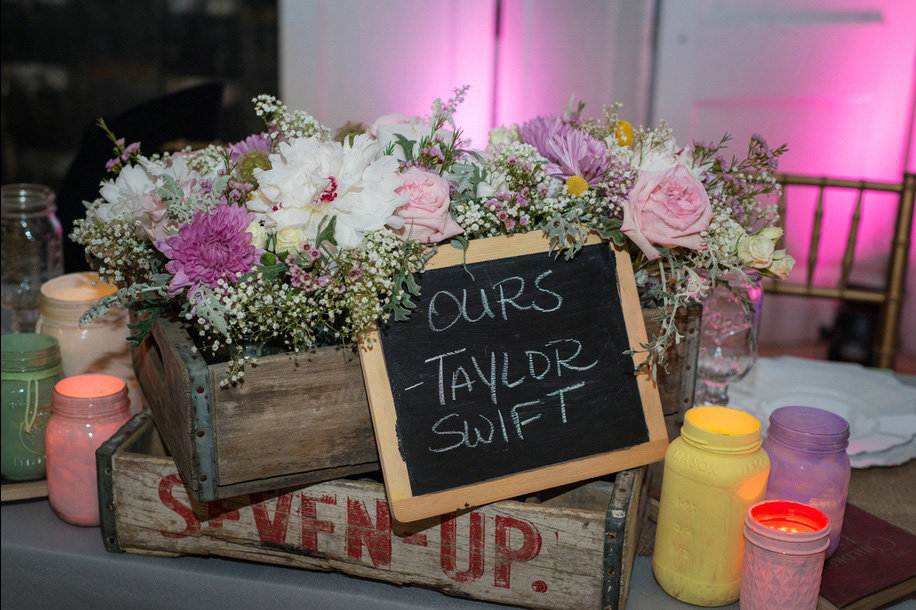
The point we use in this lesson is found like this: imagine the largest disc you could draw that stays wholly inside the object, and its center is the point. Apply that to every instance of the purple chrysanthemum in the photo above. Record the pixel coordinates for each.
(214, 245)
(571, 152)
(575, 153)
(257, 142)
(537, 131)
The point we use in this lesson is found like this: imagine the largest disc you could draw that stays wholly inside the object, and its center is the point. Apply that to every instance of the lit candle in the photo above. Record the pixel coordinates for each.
(99, 347)
(86, 411)
(786, 543)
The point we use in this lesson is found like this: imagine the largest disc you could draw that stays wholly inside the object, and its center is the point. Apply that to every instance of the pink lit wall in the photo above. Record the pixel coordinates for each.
(354, 60)
(832, 78)
(601, 52)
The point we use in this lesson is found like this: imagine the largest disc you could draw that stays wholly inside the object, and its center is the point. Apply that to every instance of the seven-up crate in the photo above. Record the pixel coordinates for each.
(567, 548)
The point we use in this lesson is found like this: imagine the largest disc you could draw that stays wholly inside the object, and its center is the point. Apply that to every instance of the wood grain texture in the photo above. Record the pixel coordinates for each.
(166, 385)
(636, 330)
(294, 412)
(296, 419)
(677, 383)
(24, 490)
(527, 554)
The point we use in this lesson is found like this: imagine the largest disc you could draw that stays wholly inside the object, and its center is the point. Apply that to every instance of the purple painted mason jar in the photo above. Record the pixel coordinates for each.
(808, 462)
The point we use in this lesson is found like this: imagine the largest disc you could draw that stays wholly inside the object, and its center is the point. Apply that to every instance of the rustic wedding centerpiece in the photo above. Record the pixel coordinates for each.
(298, 240)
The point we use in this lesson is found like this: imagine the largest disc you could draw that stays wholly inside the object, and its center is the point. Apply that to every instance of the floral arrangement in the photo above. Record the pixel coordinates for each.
(308, 237)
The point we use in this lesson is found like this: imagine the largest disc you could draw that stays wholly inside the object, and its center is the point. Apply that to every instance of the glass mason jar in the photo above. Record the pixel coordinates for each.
(30, 368)
(714, 471)
(728, 335)
(31, 244)
(784, 551)
(87, 411)
(99, 347)
(809, 463)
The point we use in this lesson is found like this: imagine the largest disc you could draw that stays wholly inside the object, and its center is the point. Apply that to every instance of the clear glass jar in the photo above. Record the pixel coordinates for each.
(87, 411)
(728, 335)
(714, 471)
(809, 463)
(99, 347)
(30, 368)
(31, 243)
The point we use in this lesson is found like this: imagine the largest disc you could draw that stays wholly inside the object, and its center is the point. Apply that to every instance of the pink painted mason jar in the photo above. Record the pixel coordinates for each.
(785, 544)
(809, 463)
(86, 410)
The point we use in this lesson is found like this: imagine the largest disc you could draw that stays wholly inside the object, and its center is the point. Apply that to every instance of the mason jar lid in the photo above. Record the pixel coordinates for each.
(809, 428)
(786, 527)
(26, 352)
(67, 297)
(721, 429)
(26, 199)
(89, 395)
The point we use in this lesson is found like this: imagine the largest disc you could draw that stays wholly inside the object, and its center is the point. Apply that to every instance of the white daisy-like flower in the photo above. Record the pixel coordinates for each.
(311, 180)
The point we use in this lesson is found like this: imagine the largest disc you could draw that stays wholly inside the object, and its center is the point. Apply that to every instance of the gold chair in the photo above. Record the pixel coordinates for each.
(890, 296)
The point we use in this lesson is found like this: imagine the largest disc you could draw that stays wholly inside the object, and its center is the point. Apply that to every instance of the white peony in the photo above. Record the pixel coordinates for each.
(310, 181)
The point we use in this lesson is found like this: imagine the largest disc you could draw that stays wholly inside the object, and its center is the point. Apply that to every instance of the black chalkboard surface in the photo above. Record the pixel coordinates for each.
(511, 364)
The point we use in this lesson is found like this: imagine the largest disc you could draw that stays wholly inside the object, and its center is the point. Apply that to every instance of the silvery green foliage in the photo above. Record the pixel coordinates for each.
(148, 301)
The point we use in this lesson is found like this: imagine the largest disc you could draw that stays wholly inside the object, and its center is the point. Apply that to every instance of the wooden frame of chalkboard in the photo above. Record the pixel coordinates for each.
(510, 376)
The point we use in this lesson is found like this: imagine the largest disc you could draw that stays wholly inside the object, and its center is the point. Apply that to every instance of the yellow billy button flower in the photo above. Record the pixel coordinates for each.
(576, 185)
(624, 133)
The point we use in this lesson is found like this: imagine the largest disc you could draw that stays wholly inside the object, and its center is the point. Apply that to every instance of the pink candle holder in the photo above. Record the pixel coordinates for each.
(786, 544)
(86, 411)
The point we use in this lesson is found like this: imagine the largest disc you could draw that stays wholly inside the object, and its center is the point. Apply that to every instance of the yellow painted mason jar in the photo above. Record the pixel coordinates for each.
(714, 472)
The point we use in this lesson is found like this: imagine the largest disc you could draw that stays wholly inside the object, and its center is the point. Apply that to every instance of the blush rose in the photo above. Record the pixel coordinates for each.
(426, 213)
(667, 208)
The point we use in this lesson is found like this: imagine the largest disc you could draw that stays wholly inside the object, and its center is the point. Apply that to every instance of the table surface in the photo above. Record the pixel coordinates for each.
(47, 563)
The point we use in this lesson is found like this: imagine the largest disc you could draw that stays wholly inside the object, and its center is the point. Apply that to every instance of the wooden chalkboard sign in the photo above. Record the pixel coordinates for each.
(510, 377)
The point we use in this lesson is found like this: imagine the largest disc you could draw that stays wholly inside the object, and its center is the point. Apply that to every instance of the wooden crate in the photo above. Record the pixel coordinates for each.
(296, 419)
(572, 549)
(676, 386)
(299, 419)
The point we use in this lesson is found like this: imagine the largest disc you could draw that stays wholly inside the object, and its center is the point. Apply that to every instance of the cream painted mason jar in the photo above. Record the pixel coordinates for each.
(714, 472)
(100, 347)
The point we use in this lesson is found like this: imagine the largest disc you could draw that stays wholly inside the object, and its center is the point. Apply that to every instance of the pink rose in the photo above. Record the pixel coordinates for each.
(425, 214)
(666, 208)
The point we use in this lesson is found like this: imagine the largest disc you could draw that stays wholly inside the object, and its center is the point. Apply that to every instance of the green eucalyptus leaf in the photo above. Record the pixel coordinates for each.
(406, 145)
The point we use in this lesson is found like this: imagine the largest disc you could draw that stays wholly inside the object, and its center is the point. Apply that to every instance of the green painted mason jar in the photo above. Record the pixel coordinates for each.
(30, 368)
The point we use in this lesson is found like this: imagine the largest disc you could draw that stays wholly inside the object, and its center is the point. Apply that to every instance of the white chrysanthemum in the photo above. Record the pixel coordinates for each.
(125, 197)
(310, 180)
(134, 194)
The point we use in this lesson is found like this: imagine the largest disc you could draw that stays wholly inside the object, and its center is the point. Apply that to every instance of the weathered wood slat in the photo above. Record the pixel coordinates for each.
(539, 555)
(296, 419)
(311, 405)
